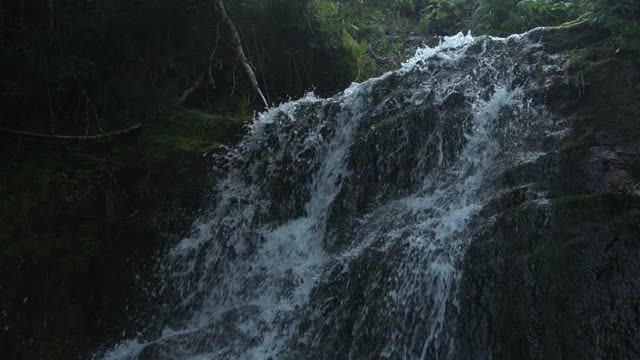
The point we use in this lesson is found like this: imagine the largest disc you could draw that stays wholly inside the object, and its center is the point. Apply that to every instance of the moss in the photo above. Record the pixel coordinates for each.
(180, 132)
(165, 148)
(571, 143)
(197, 124)
(587, 59)
(573, 35)
(605, 80)
(579, 22)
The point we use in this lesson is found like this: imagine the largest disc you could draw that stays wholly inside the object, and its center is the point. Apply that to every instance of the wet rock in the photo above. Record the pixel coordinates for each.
(557, 278)
(560, 284)
(605, 172)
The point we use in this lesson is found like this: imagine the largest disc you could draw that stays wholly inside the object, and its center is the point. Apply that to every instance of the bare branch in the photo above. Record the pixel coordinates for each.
(51, 113)
(233, 75)
(89, 102)
(212, 56)
(72, 137)
(237, 45)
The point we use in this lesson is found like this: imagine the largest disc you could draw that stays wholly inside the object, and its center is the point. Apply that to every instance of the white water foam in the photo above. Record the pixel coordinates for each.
(244, 282)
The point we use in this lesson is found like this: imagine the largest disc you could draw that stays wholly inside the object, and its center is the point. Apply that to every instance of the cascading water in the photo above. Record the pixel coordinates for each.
(339, 229)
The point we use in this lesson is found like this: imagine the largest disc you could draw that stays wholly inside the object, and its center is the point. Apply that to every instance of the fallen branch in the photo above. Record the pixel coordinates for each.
(237, 45)
(72, 137)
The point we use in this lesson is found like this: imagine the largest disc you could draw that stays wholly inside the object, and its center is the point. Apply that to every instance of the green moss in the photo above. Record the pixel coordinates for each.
(196, 124)
(163, 148)
(180, 132)
(587, 59)
(574, 35)
(579, 22)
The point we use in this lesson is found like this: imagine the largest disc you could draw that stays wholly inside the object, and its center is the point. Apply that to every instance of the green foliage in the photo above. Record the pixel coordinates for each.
(622, 17)
(497, 17)
(383, 26)
(354, 55)
(537, 13)
(504, 17)
(321, 16)
(444, 17)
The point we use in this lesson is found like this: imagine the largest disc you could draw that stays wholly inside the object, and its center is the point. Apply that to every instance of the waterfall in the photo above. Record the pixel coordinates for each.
(340, 226)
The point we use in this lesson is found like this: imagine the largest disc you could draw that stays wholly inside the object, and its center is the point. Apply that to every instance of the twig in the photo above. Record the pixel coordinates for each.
(87, 98)
(233, 76)
(147, 67)
(72, 137)
(86, 116)
(212, 56)
(51, 114)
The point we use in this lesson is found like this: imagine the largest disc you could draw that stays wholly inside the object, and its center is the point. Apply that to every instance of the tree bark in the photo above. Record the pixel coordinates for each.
(237, 45)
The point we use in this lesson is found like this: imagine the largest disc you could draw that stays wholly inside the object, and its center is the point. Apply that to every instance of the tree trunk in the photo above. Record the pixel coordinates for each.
(237, 45)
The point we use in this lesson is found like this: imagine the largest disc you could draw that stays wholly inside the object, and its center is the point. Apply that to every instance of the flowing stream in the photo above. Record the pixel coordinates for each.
(340, 226)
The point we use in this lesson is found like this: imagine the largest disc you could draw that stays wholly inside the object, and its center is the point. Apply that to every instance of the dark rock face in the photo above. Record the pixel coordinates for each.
(604, 172)
(555, 281)
(558, 278)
